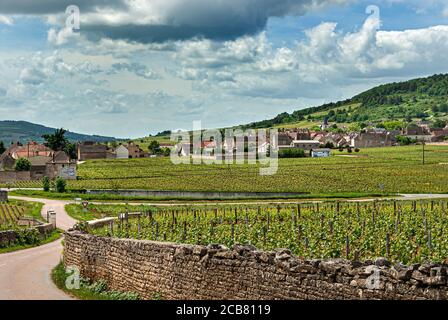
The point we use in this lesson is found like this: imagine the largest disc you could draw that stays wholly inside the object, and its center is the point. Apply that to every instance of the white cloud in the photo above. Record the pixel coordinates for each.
(6, 20)
(445, 12)
(60, 37)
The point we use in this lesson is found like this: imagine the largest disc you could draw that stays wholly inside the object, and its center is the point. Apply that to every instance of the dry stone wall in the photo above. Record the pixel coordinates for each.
(8, 237)
(174, 271)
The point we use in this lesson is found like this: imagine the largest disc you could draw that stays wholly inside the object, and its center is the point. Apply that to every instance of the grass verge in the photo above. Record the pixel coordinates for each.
(88, 291)
(112, 197)
(55, 235)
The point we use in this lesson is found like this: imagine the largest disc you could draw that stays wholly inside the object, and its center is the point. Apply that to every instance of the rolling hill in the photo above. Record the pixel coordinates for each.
(400, 102)
(22, 131)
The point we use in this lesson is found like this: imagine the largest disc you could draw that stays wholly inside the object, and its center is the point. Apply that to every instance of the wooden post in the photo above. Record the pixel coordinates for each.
(298, 211)
(269, 220)
(184, 235)
(212, 229)
(138, 226)
(347, 247)
(358, 211)
(387, 245)
(293, 217)
(232, 232)
(264, 235)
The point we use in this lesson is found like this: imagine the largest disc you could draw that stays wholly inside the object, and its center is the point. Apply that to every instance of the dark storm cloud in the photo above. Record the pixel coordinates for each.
(39, 7)
(169, 19)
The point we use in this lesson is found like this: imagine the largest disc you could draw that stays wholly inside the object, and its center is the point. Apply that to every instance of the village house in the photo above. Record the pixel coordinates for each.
(90, 150)
(439, 134)
(44, 162)
(419, 133)
(299, 134)
(372, 139)
(306, 145)
(129, 151)
(284, 140)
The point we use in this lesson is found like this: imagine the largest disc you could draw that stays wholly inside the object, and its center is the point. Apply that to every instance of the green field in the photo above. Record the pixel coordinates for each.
(389, 170)
(407, 232)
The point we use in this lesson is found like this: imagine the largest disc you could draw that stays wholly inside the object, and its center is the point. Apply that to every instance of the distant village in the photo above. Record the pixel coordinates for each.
(45, 162)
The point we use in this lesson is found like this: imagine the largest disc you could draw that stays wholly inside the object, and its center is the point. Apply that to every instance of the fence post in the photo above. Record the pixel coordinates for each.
(347, 247)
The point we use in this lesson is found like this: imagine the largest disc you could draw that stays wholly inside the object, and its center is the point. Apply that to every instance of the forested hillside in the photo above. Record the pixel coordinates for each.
(424, 98)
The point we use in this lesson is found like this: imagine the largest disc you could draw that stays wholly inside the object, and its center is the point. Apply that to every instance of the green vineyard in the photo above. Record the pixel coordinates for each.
(376, 170)
(406, 232)
(10, 213)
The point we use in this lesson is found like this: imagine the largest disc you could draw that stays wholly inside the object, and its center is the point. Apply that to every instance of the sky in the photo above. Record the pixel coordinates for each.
(137, 67)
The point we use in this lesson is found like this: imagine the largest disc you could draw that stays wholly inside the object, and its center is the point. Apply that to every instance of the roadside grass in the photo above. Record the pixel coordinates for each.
(117, 198)
(55, 235)
(98, 211)
(88, 291)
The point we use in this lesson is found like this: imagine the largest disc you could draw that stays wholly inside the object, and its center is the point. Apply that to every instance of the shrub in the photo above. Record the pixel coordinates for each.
(28, 236)
(357, 150)
(60, 185)
(46, 184)
(291, 153)
(23, 164)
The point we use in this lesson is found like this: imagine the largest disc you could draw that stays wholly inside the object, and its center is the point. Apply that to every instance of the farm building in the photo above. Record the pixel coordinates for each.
(129, 151)
(90, 150)
(44, 162)
(306, 144)
(373, 139)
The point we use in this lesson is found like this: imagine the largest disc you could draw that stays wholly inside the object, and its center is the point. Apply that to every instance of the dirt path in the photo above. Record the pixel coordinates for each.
(25, 275)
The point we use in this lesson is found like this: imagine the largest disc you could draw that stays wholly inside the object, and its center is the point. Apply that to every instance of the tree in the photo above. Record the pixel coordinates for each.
(46, 184)
(2, 147)
(154, 147)
(60, 185)
(291, 153)
(58, 142)
(23, 164)
(166, 152)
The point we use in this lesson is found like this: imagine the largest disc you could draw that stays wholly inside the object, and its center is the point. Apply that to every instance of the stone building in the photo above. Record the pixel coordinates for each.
(90, 150)
(373, 140)
(129, 151)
